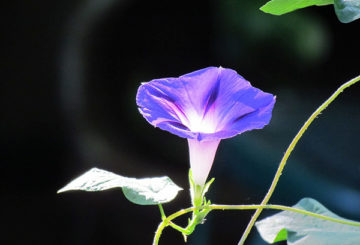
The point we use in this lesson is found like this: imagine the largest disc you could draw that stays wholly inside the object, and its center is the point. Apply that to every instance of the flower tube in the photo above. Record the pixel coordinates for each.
(204, 106)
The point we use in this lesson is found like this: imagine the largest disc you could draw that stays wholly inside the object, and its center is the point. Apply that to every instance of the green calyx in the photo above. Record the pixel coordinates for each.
(200, 209)
(198, 200)
(198, 192)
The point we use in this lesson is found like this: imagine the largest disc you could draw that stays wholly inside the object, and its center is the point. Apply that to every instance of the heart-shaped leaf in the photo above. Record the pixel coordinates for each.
(279, 7)
(147, 191)
(301, 229)
(347, 10)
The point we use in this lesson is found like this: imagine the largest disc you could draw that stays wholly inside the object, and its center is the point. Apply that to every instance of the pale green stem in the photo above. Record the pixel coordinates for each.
(167, 221)
(163, 216)
(179, 228)
(288, 152)
(158, 232)
(285, 208)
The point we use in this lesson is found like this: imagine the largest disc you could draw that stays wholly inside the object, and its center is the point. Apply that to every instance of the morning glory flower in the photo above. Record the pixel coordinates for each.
(204, 106)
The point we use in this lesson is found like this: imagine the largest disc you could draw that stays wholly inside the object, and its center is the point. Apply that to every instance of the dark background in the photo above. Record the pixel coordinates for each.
(69, 75)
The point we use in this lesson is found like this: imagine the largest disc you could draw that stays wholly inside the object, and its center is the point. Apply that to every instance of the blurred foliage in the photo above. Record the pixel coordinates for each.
(244, 30)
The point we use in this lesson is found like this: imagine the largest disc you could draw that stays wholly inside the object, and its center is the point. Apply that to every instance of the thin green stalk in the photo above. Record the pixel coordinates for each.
(288, 152)
(284, 208)
(163, 216)
(178, 228)
(167, 222)
(158, 232)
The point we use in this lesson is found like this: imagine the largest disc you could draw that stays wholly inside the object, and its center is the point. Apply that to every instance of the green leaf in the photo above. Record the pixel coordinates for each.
(279, 7)
(147, 191)
(347, 10)
(301, 229)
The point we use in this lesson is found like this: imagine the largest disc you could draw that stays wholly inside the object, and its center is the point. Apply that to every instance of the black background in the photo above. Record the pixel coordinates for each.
(69, 75)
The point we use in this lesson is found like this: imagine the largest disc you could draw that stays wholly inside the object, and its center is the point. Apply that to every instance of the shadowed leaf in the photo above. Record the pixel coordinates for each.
(347, 10)
(301, 229)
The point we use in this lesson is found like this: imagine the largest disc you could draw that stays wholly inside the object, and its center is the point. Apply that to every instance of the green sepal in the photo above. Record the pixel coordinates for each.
(197, 192)
(207, 186)
(198, 199)
(200, 217)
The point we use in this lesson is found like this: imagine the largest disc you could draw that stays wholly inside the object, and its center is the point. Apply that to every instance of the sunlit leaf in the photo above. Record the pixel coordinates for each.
(279, 7)
(301, 229)
(147, 191)
(347, 10)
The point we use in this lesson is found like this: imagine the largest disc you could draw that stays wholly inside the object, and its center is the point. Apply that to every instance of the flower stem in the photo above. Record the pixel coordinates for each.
(288, 152)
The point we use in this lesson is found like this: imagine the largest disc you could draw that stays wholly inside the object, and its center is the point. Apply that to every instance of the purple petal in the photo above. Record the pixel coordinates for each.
(208, 104)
